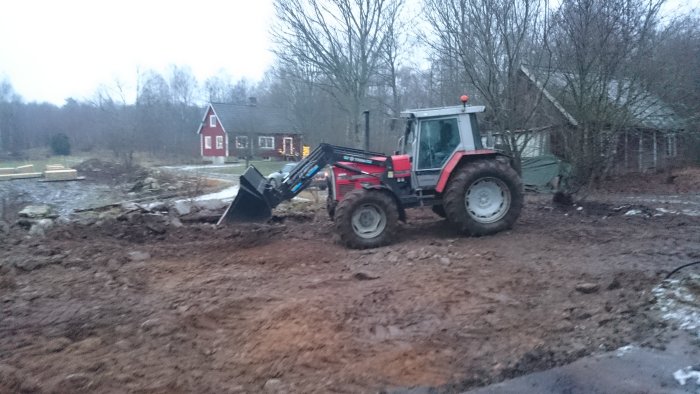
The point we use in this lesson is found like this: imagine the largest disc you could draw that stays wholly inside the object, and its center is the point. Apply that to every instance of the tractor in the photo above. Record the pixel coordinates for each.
(440, 163)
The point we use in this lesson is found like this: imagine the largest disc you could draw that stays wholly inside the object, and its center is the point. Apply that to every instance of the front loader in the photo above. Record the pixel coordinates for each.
(441, 163)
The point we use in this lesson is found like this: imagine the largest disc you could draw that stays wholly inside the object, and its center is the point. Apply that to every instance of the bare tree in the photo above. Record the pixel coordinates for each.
(344, 39)
(490, 40)
(603, 48)
(8, 108)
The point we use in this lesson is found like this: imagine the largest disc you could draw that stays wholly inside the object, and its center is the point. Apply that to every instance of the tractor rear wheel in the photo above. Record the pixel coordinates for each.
(366, 219)
(484, 197)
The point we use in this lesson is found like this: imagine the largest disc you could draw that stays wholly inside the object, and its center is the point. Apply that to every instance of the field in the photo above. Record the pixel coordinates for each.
(127, 304)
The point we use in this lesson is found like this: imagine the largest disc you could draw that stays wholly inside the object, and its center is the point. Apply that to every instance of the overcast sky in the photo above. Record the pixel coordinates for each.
(54, 49)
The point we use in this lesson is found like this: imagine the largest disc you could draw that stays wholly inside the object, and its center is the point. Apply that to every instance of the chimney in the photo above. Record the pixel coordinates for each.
(252, 101)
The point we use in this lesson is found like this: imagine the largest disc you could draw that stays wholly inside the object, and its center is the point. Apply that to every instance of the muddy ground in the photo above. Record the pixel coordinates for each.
(123, 304)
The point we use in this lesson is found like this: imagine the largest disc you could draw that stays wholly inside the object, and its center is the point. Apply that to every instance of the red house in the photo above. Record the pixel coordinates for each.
(237, 131)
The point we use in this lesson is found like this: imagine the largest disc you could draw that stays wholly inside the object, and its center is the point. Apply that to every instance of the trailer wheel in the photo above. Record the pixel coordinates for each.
(484, 197)
(366, 219)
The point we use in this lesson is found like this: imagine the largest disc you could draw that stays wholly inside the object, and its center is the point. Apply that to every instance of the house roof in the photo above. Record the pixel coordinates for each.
(647, 110)
(256, 119)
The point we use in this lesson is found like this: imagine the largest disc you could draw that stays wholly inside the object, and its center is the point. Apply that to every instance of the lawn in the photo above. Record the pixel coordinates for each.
(264, 166)
(40, 164)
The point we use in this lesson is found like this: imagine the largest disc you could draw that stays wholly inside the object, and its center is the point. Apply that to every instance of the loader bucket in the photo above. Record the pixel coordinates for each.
(251, 203)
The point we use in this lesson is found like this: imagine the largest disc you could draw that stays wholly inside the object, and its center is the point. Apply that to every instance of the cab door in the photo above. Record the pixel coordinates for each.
(437, 139)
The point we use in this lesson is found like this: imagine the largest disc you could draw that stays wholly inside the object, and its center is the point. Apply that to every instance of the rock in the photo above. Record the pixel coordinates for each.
(57, 344)
(4, 227)
(365, 276)
(411, 255)
(40, 227)
(614, 284)
(75, 382)
(210, 205)
(445, 260)
(176, 222)
(35, 211)
(130, 206)
(587, 288)
(157, 327)
(157, 206)
(137, 255)
(158, 228)
(29, 264)
(273, 386)
(87, 345)
(182, 207)
(151, 184)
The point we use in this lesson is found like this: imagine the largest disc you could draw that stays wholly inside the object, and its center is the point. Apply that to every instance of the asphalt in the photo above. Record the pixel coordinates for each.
(630, 369)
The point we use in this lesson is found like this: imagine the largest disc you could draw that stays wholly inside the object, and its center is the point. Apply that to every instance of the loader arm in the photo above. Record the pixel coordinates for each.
(256, 197)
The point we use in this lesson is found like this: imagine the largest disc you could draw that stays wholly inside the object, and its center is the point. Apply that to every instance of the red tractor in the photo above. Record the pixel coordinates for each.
(441, 164)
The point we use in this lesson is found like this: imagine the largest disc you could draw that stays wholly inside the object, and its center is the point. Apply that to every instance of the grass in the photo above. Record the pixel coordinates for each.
(40, 164)
(264, 166)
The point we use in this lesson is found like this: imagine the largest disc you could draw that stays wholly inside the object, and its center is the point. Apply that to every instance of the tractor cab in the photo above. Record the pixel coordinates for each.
(433, 135)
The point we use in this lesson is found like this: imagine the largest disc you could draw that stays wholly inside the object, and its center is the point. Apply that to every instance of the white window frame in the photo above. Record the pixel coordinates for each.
(219, 142)
(212, 120)
(207, 142)
(242, 142)
(265, 145)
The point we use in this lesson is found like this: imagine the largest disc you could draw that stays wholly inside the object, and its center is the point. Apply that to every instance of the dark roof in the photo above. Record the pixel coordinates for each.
(647, 110)
(240, 118)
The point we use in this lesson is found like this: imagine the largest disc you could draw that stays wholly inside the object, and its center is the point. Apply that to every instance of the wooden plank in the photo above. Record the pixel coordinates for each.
(53, 167)
(7, 170)
(61, 175)
(27, 175)
(25, 168)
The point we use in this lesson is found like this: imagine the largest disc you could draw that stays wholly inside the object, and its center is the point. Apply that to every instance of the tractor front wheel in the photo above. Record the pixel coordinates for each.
(484, 197)
(366, 219)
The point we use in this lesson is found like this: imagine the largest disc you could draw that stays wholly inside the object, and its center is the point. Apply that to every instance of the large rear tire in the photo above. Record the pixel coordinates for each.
(366, 219)
(484, 197)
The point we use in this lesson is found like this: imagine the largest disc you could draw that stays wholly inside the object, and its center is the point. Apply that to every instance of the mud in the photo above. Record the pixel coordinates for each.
(136, 301)
(139, 304)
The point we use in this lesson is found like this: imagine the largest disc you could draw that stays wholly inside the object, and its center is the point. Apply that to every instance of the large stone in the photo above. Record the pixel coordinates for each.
(35, 211)
(137, 255)
(273, 386)
(30, 264)
(210, 205)
(57, 344)
(40, 227)
(587, 288)
(182, 207)
(87, 345)
(75, 382)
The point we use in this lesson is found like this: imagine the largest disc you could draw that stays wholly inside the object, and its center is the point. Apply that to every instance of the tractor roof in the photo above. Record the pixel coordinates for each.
(442, 111)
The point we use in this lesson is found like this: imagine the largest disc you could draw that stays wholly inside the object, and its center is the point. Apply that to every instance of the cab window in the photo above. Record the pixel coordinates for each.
(438, 139)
